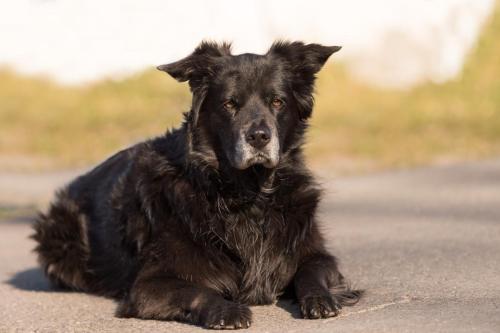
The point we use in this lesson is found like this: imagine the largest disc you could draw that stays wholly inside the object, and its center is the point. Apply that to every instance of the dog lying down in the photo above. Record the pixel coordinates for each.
(203, 221)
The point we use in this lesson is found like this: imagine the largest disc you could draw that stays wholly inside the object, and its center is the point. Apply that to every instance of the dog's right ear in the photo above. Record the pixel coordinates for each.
(198, 68)
(199, 65)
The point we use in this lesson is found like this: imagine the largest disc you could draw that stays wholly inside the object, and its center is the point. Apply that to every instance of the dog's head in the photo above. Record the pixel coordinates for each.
(250, 109)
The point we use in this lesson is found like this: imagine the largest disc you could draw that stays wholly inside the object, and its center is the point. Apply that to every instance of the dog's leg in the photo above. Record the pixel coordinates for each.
(167, 298)
(320, 287)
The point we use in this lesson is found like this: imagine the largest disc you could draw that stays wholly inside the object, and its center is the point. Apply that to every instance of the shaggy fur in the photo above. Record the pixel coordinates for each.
(195, 225)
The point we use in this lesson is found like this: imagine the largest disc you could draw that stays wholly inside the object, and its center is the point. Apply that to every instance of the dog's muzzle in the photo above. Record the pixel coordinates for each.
(257, 145)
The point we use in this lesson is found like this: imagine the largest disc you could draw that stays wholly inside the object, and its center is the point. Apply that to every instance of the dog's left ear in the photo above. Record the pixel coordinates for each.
(304, 61)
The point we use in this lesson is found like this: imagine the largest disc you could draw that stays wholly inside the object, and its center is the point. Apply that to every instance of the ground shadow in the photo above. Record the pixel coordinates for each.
(291, 306)
(31, 279)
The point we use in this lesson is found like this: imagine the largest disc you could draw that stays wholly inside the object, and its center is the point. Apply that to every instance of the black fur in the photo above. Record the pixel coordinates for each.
(175, 232)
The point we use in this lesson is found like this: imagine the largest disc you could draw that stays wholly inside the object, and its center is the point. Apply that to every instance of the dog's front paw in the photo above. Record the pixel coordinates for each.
(228, 315)
(319, 306)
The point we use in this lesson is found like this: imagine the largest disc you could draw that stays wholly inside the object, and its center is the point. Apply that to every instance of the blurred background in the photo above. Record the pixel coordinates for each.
(405, 139)
(417, 81)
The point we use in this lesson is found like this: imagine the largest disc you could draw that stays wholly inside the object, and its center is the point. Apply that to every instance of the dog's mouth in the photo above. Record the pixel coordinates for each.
(259, 158)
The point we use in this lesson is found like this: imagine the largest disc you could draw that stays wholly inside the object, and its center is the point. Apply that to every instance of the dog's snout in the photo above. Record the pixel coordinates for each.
(258, 137)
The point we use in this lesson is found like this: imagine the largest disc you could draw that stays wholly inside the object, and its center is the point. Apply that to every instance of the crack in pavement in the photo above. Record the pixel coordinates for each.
(402, 300)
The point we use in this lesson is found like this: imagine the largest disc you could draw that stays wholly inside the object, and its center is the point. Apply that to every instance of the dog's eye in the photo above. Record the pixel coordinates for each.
(277, 103)
(229, 105)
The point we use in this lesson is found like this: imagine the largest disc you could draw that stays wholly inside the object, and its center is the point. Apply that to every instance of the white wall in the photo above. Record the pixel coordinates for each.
(390, 42)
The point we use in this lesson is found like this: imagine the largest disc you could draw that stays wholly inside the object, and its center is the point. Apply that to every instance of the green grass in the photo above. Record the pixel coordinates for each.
(80, 125)
(19, 213)
(75, 126)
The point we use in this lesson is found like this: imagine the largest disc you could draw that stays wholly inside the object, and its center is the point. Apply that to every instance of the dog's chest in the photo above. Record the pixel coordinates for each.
(257, 237)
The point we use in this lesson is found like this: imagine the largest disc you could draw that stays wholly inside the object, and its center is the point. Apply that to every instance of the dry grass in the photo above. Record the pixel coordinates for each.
(74, 126)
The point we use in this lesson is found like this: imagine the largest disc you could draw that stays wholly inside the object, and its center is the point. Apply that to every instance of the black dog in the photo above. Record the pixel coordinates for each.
(197, 224)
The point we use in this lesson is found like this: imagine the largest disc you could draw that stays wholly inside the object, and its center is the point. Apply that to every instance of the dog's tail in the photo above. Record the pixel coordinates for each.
(62, 244)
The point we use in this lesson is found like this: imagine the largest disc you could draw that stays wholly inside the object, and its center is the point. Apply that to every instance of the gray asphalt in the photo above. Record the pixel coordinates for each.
(424, 243)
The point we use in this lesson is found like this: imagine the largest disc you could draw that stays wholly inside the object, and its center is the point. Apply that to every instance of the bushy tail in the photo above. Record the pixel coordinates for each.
(63, 247)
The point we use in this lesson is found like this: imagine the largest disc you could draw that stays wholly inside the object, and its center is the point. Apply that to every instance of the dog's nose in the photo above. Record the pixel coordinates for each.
(259, 137)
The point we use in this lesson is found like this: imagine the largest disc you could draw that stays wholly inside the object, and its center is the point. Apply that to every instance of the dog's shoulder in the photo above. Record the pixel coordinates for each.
(163, 156)
(297, 185)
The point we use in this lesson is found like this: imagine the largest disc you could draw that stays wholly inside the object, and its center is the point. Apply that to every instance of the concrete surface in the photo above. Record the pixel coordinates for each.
(425, 243)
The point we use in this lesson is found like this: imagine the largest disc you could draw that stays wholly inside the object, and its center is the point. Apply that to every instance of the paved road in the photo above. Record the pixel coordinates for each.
(425, 243)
